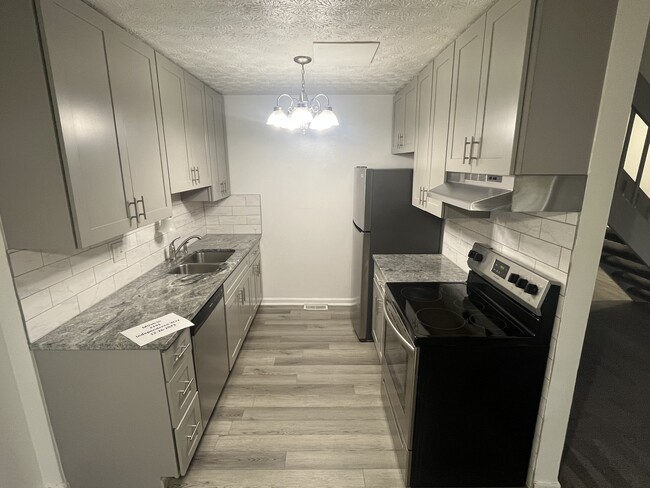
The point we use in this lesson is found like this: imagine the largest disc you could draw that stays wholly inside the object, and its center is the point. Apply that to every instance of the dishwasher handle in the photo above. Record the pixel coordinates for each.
(200, 318)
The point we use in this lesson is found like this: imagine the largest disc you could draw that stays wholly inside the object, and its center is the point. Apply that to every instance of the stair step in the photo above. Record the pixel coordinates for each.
(631, 279)
(638, 294)
(611, 235)
(612, 263)
(622, 250)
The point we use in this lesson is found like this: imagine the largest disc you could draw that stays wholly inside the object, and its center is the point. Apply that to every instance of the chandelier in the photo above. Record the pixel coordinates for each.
(302, 112)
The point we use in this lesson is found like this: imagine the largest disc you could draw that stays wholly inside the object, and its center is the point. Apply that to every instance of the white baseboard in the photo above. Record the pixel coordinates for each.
(547, 484)
(293, 302)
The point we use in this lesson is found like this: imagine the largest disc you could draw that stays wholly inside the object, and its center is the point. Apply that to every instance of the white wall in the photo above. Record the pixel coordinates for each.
(306, 187)
(644, 69)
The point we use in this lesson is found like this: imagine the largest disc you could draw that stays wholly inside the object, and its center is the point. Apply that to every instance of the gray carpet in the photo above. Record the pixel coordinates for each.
(608, 440)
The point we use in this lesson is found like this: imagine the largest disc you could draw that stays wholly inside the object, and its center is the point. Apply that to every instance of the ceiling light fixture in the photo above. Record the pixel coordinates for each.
(303, 113)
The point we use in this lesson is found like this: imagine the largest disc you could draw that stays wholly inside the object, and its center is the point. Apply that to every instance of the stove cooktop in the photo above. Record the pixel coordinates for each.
(451, 310)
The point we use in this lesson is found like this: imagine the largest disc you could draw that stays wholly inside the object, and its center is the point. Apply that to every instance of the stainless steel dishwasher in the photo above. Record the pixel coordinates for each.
(210, 347)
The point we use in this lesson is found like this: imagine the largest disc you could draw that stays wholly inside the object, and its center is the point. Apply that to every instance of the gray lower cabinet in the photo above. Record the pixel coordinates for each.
(378, 320)
(71, 176)
(122, 417)
(243, 295)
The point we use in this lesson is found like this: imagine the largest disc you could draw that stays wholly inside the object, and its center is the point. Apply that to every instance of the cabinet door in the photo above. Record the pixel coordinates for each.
(421, 159)
(172, 103)
(502, 82)
(196, 131)
(233, 325)
(410, 115)
(99, 184)
(258, 270)
(132, 69)
(442, 78)
(217, 144)
(468, 53)
(398, 122)
(249, 298)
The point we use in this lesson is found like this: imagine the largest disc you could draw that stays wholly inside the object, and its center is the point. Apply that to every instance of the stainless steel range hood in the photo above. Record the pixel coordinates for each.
(486, 193)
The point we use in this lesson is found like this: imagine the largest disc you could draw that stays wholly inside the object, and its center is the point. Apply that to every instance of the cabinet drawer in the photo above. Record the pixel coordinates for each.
(172, 357)
(187, 434)
(181, 389)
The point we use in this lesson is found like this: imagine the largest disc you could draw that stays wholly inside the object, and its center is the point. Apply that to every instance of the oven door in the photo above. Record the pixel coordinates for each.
(399, 371)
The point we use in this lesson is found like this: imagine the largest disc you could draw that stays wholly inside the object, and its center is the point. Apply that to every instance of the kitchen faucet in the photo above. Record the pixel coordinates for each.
(174, 251)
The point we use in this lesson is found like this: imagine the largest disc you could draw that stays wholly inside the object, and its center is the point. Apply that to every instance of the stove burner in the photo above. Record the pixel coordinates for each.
(421, 294)
(439, 318)
(468, 306)
(488, 321)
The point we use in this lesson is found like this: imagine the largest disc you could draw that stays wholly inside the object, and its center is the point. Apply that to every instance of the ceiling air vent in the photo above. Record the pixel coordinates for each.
(345, 53)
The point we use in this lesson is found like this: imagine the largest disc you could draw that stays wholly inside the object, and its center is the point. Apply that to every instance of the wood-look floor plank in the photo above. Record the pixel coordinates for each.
(295, 389)
(315, 369)
(236, 478)
(343, 400)
(283, 346)
(231, 459)
(341, 459)
(226, 413)
(313, 413)
(338, 379)
(383, 478)
(217, 426)
(303, 427)
(309, 442)
(278, 379)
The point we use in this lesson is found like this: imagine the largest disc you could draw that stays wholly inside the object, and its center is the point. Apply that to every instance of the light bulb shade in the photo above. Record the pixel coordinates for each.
(301, 115)
(277, 118)
(324, 120)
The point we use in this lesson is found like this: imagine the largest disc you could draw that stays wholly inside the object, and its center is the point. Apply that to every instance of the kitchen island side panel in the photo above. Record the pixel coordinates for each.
(110, 417)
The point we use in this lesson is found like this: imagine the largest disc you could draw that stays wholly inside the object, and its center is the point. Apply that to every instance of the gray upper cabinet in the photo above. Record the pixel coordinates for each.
(92, 167)
(468, 54)
(217, 151)
(501, 90)
(171, 82)
(423, 135)
(196, 131)
(132, 69)
(100, 186)
(404, 118)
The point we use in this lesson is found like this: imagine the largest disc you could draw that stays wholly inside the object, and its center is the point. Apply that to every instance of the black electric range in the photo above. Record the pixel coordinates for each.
(462, 372)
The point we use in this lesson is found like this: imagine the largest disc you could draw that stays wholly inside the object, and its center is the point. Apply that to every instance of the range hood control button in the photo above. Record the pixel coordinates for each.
(513, 278)
(522, 283)
(531, 289)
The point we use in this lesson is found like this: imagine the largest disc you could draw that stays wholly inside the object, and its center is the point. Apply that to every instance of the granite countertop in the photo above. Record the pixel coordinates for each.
(419, 267)
(150, 296)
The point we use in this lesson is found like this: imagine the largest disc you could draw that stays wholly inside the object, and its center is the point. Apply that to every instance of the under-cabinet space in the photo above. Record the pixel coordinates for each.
(71, 182)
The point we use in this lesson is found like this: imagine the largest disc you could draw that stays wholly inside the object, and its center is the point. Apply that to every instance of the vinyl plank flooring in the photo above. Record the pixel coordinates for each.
(301, 409)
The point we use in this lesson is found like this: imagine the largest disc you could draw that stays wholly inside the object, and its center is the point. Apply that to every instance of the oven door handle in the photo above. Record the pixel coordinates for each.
(402, 339)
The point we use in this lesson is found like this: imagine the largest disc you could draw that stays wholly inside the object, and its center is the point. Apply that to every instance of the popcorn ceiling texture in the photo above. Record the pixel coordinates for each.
(53, 287)
(247, 46)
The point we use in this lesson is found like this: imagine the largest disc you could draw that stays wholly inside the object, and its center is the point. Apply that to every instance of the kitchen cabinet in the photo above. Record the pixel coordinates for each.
(404, 118)
(217, 150)
(243, 294)
(72, 182)
(196, 131)
(423, 135)
(378, 320)
(123, 417)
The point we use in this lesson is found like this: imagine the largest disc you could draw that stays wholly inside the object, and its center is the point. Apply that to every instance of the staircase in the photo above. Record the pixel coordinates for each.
(625, 267)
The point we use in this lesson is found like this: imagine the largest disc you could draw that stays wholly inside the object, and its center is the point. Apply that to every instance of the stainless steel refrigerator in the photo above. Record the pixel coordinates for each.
(385, 222)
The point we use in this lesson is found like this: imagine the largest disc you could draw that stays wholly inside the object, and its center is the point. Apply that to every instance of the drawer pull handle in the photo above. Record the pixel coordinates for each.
(179, 355)
(187, 388)
(196, 429)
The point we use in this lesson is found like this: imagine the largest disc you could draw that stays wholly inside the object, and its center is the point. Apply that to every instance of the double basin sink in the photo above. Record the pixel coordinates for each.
(205, 261)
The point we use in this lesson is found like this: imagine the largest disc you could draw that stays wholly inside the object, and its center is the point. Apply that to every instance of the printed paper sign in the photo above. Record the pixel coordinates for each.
(148, 332)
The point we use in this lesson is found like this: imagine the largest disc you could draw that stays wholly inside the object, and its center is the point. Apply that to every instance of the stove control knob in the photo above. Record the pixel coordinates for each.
(513, 278)
(476, 256)
(531, 289)
(521, 283)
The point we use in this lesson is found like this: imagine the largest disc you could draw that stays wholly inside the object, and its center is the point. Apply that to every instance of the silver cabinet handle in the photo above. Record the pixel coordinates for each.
(187, 388)
(192, 173)
(144, 210)
(243, 294)
(196, 429)
(128, 210)
(198, 174)
(179, 355)
(471, 149)
(465, 149)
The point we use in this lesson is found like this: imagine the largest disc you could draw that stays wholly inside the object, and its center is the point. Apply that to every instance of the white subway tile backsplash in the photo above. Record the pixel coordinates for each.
(572, 218)
(540, 250)
(558, 233)
(232, 219)
(25, 261)
(36, 304)
(41, 278)
(505, 236)
(524, 223)
(565, 260)
(72, 286)
(55, 286)
(87, 259)
(52, 318)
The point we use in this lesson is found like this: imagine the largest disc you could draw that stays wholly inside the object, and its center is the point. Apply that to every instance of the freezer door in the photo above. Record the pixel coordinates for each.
(361, 210)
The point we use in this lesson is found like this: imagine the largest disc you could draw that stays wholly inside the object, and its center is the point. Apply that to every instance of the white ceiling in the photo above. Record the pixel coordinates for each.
(247, 46)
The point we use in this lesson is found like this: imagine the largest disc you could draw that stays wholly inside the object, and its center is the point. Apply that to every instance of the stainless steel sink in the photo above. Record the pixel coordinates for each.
(210, 256)
(196, 268)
